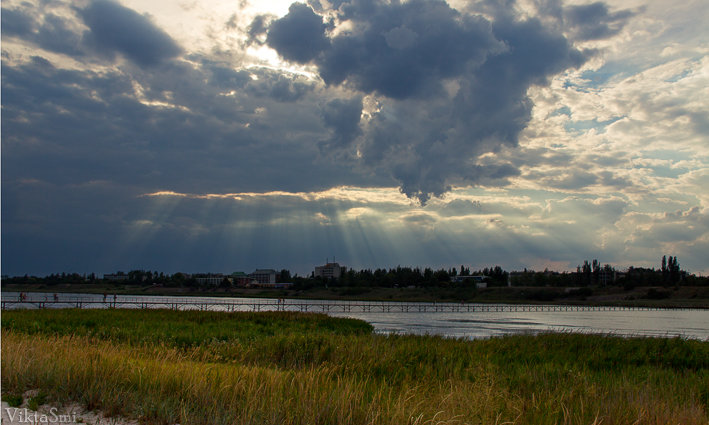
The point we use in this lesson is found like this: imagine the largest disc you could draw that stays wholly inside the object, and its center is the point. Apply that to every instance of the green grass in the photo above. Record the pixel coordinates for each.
(36, 401)
(177, 328)
(13, 400)
(295, 368)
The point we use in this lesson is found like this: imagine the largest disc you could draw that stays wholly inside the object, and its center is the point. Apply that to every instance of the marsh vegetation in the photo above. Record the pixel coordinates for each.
(196, 367)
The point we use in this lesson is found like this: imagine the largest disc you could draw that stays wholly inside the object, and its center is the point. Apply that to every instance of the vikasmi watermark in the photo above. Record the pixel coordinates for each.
(26, 416)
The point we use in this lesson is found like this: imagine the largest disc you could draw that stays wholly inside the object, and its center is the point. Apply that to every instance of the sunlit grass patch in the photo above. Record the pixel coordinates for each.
(293, 368)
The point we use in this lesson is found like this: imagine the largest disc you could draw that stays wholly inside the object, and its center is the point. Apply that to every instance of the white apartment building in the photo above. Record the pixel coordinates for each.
(329, 270)
(264, 276)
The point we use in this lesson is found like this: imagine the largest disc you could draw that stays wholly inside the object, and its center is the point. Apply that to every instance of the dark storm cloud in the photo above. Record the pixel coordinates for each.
(299, 36)
(258, 28)
(404, 49)
(16, 22)
(57, 35)
(439, 89)
(342, 116)
(594, 21)
(117, 29)
(226, 77)
(454, 85)
(51, 32)
(112, 29)
(277, 86)
(79, 149)
(192, 129)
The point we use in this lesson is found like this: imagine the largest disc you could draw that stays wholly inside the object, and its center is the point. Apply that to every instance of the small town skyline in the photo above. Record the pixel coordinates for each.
(335, 269)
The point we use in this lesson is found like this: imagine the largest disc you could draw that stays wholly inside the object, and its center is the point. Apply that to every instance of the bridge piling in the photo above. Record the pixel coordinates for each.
(305, 306)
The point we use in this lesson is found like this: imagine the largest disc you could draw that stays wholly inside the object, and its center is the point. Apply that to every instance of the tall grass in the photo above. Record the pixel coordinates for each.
(292, 368)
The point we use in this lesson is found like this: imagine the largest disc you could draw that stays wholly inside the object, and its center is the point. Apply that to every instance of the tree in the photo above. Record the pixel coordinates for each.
(665, 269)
(226, 283)
(586, 272)
(283, 276)
(674, 269)
(441, 276)
(179, 278)
(596, 270)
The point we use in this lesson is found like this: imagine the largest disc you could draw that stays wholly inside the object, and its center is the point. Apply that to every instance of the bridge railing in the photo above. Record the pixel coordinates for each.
(233, 304)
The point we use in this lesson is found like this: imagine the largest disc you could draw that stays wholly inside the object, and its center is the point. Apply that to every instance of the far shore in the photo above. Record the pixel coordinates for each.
(660, 297)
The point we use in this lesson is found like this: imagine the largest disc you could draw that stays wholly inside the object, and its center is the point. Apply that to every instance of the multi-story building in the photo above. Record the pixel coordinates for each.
(210, 279)
(241, 279)
(329, 270)
(479, 281)
(264, 276)
(116, 277)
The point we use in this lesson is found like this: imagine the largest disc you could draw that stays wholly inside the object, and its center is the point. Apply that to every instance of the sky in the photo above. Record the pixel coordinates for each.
(222, 136)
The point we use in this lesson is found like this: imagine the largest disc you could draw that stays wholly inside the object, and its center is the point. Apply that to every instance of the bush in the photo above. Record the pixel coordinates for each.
(36, 401)
(654, 294)
(580, 292)
(12, 399)
(542, 295)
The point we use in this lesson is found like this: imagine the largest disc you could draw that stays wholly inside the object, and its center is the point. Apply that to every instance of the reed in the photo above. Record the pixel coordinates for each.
(312, 369)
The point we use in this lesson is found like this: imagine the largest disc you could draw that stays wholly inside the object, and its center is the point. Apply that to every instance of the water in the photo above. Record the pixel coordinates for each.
(665, 323)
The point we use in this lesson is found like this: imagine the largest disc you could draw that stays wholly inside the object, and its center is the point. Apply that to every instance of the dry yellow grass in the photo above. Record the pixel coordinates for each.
(173, 388)
(361, 378)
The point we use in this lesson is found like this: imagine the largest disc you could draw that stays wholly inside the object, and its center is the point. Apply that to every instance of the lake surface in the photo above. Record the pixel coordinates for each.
(686, 323)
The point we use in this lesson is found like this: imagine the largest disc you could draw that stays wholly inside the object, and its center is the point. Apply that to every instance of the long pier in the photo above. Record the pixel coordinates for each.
(334, 306)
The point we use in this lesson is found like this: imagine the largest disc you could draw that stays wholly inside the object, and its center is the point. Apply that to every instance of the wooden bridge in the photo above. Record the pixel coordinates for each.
(335, 306)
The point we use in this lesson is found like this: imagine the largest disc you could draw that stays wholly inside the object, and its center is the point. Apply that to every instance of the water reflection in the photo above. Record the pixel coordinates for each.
(665, 323)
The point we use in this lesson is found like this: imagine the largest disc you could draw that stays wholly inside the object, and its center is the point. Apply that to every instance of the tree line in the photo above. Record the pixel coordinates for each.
(590, 273)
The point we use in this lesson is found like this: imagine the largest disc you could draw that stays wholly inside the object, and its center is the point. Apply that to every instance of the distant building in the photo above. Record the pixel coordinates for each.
(264, 276)
(514, 277)
(279, 285)
(329, 270)
(116, 276)
(210, 279)
(478, 280)
(607, 275)
(241, 279)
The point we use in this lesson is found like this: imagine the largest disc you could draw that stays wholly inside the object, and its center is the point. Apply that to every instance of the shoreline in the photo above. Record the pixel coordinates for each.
(676, 298)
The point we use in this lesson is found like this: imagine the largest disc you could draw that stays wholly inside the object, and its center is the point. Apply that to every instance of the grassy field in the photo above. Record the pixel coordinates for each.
(167, 367)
